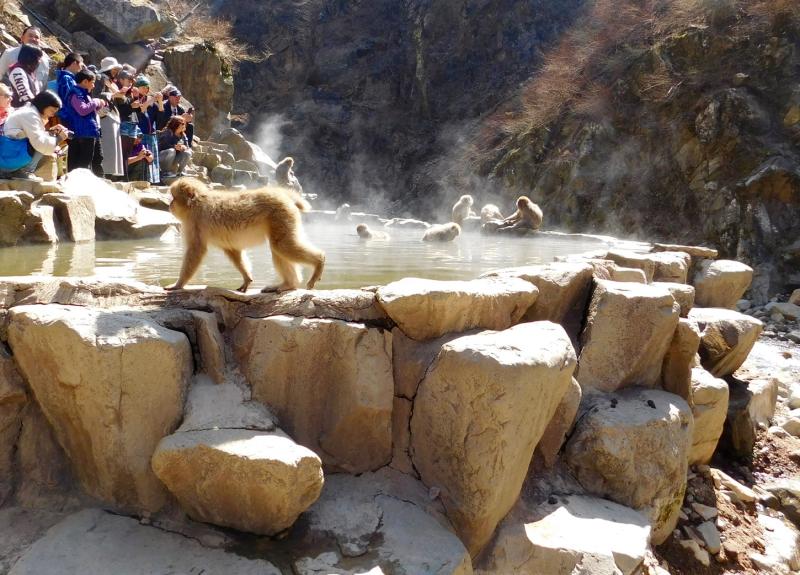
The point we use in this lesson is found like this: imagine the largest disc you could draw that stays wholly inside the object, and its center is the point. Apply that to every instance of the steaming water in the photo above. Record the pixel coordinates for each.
(350, 261)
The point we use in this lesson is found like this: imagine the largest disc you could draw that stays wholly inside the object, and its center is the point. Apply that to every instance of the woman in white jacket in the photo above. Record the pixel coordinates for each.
(27, 124)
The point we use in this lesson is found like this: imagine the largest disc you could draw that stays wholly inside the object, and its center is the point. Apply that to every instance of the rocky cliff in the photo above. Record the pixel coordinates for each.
(667, 120)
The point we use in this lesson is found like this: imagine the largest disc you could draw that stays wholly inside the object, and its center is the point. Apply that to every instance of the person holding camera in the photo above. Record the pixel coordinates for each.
(80, 116)
(106, 87)
(27, 149)
(173, 108)
(140, 159)
(174, 151)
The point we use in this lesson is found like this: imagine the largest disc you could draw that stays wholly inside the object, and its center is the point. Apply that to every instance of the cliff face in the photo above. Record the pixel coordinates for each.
(689, 132)
(374, 93)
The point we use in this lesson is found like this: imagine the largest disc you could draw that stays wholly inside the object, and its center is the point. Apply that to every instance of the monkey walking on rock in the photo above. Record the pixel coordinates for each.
(234, 221)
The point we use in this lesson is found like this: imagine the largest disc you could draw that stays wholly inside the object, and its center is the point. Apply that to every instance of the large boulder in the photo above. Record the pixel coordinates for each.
(683, 294)
(671, 267)
(628, 330)
(478, 415)
(111, 385)
(376, 520)
(676, 371)
(411, 359)
(633, 448)
(205, 79)
(427, 309)
(93, 541)
(567, 536)
(630, 259)
(563, 292)
(709, 408)
(13, 215)
(127, 22)
(13, 398)
(74, 215)
(228, 464)
(329, 382)
(726, 337)
(721, 283)
(559, 427)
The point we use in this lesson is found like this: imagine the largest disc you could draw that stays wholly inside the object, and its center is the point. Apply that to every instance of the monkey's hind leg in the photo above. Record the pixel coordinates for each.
(294, 250)
(192, 257)
(242, 264)
(287, 271)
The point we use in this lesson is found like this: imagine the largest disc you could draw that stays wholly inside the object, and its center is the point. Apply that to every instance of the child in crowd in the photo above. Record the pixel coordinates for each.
(140, 159)
(22, 75)
(80, 116)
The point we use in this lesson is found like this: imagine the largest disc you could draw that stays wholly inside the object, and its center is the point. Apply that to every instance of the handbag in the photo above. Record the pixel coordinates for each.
(14, 153)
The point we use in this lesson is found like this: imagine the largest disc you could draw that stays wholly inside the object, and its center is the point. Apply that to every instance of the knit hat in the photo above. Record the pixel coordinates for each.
(141, 81)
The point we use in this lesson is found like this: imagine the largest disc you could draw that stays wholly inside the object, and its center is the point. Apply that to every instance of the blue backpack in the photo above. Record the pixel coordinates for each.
(14, 154)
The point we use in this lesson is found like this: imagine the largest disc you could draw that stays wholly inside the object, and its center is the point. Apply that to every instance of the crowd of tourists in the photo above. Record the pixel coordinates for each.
(103, 117)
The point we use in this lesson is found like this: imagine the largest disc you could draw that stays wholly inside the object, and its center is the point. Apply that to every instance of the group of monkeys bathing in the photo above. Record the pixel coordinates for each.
(527, 217)
(234, 221)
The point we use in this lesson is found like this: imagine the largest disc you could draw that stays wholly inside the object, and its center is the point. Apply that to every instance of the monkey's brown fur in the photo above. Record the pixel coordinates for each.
(284, 175)
(442, 233)
(528, 216)
(365, 233)
(462, 209)
(234, 221)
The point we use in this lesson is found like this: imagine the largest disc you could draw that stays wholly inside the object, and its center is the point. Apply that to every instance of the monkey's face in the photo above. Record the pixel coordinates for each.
(184, 192)
(362, 230)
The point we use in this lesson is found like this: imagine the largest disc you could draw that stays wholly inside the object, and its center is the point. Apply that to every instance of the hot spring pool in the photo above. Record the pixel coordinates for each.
(350, 261)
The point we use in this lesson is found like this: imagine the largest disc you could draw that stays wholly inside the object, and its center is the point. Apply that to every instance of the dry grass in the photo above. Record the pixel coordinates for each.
(196, 21)
(583, 68)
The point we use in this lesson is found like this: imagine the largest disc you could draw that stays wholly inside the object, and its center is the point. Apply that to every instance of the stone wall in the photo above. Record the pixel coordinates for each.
(250, 410)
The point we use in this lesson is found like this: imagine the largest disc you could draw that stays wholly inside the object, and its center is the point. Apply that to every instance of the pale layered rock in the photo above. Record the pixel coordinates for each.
(676, 371)
(671, 267)
(40, 224)
(401, 436)
(560, 426)
(207, 81)
(721, 283)
(633, 448)
(427, 309)
(13, 214)
(95, 292)
(726, 338)
(683, 294)
(75, 216)
(623, 274)
(763, 399)
(111, 385)
(694, 251)
(329, 382)
(384, 518)
(13, 399)
(787, 491)
(563, 292)
(630, 321)
(789, 311)
(629, 259)
(228, 464)
(724, 481)
(202, 330)
(575, 534)
(93, 541)
(43, 475)
(710, 408)
(411, 359)
(507, 386)
(126, 21)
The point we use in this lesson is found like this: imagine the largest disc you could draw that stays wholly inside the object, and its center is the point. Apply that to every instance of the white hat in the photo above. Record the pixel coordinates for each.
(109, 63)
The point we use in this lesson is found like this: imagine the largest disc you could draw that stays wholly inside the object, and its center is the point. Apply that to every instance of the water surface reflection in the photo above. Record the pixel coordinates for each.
(350, 261)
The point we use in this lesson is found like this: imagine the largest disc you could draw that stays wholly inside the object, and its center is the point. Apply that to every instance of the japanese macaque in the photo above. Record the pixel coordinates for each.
(462, 209)
(527, 217)
(442, 233)
(284, 176)
(343, 213)
(365, 233)
(490, 212)
(234, 221)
